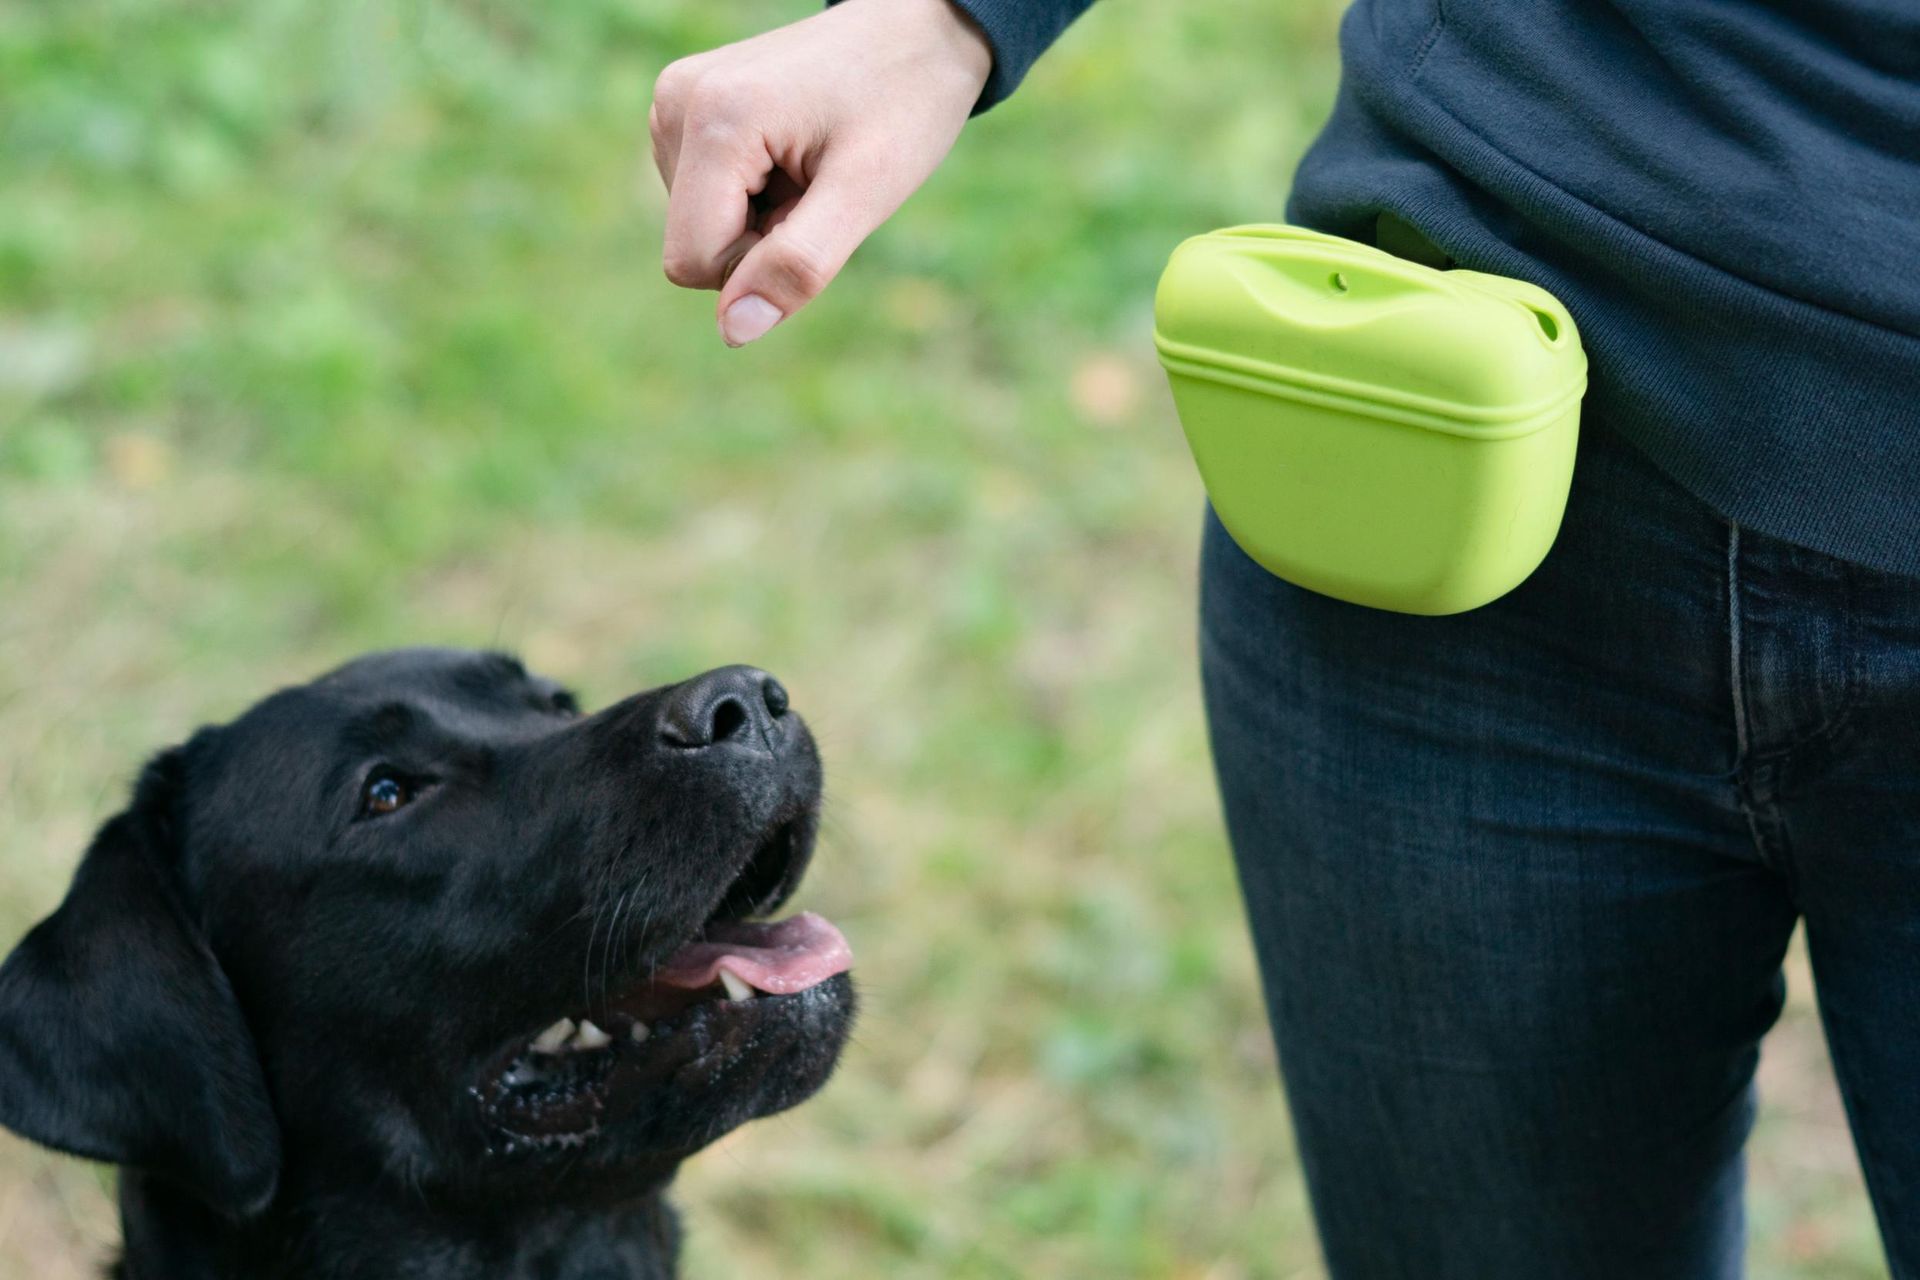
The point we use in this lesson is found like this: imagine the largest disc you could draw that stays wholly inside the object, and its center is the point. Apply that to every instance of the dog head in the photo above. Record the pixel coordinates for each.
(422, 921)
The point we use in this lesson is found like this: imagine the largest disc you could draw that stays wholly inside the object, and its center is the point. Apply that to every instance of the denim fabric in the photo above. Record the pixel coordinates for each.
(1521, 882)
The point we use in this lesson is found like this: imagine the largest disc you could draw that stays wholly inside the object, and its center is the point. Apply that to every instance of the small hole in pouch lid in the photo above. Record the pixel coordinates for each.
(1548, 325)
(1338, 281)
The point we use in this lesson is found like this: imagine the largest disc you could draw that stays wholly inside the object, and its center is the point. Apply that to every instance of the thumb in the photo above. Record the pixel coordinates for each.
(796, 257)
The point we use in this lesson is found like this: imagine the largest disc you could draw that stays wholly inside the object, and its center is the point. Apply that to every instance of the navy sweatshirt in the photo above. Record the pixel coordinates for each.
(1725, 193)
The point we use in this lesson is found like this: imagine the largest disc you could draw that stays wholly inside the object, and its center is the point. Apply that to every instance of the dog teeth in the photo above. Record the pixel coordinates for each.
(590, 1036)
(640, 1032)
(737, 988)
(554, 1038)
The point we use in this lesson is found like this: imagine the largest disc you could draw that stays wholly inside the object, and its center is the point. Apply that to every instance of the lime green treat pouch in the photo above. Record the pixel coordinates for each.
(1367, 427)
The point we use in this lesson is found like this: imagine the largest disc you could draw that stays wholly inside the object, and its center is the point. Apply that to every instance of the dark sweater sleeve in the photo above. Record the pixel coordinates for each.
(1018, 31)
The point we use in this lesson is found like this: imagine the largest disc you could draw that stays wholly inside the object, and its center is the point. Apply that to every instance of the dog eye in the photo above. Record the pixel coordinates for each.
(565, 703)
(383, 794)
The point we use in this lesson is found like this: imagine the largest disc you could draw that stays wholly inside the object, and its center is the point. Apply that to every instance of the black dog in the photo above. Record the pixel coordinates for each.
(414, 971)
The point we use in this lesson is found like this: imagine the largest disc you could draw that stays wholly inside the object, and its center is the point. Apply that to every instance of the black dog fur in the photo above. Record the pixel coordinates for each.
(287, 1012)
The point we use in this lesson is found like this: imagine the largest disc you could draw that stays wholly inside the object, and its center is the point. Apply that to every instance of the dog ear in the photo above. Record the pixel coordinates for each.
(120, 1038)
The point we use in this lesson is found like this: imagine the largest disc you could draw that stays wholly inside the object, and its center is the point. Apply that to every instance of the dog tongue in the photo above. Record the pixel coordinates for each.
(780, 958)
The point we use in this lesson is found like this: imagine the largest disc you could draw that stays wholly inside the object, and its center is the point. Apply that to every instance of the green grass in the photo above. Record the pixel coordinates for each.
(333, 326)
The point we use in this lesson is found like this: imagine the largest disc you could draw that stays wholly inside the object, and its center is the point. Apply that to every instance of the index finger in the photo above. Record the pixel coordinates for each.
(709, 216)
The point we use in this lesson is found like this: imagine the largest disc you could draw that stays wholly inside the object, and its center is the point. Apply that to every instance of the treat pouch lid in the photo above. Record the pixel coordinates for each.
(1301, 315)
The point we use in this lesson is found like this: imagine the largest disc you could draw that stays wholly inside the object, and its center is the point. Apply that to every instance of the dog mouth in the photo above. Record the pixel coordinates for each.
(681, 1021)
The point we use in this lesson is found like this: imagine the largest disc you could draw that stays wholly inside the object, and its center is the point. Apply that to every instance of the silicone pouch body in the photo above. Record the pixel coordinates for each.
(1367, 427)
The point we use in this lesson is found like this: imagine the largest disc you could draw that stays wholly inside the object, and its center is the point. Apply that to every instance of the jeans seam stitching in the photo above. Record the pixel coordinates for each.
(1826, 731)
(1838, 717)
(1746, 761)
(1735, 658)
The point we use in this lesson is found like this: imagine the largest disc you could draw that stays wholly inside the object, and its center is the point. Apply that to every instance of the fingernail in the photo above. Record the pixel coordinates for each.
(748, 318)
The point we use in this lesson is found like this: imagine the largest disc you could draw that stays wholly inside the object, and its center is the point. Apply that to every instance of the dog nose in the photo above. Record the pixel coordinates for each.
(723, 704)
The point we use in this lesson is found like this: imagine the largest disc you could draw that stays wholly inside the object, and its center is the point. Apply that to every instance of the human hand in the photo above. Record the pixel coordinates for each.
(783, 152)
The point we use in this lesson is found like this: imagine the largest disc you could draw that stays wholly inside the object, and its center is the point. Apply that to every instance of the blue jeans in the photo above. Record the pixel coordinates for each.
(1521, 882)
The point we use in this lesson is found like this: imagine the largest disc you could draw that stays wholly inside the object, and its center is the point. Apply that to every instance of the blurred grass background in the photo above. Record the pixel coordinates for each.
(326, 327)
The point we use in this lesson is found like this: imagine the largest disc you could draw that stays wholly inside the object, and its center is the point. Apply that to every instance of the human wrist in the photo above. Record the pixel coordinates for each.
(956, 42)
(973, 52)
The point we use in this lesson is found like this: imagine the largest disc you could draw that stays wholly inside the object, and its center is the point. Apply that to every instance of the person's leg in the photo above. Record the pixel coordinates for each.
(1830, 715)
(1518, 947)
